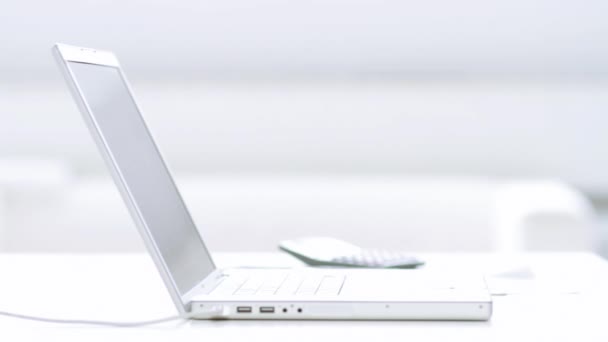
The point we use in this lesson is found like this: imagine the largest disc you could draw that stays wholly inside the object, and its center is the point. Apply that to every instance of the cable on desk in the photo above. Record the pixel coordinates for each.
(95, 322)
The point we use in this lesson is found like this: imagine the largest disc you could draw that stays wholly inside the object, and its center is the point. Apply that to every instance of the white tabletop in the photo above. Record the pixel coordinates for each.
(538, 297)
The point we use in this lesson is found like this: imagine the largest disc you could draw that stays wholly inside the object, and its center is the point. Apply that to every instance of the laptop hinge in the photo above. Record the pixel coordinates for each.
(204, 287)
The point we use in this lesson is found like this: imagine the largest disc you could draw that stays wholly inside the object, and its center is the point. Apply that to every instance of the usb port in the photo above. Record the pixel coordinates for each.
(267, 309)
(243, 309)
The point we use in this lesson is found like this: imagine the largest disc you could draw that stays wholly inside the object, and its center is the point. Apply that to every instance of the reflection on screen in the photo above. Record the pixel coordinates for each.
(145, 175)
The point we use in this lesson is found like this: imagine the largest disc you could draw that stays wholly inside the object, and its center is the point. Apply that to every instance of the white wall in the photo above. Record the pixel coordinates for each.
(350, 38)
(484, 129)
(494, 88)
(469, 89)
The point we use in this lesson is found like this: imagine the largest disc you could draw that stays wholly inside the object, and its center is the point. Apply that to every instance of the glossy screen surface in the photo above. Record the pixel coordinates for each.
(150, 187)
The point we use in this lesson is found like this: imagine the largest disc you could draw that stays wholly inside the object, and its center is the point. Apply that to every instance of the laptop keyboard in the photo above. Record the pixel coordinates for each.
(280, 285)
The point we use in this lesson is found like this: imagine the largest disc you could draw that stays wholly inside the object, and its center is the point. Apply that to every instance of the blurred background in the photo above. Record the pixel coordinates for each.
(440, 125)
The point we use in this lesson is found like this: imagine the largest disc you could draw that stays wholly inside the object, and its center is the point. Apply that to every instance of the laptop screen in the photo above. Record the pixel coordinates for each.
(150, 187)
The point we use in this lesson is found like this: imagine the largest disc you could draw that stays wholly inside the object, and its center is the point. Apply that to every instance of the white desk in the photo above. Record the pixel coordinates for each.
(563, 299)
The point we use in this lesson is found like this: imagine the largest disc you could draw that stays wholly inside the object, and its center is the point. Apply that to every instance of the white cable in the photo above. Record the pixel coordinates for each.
(94, 322)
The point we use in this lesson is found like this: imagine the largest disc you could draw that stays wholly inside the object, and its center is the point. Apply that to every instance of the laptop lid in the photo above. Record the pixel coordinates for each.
(104, 97)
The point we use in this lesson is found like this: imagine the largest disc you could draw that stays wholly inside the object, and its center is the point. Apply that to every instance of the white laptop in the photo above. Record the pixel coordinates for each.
(200, 289)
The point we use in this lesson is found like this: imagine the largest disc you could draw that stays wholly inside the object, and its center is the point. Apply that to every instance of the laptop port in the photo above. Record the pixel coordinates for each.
(267, 309)
(243, 309)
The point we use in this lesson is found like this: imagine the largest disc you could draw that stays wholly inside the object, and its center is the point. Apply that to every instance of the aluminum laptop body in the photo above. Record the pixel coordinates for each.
(198, 288)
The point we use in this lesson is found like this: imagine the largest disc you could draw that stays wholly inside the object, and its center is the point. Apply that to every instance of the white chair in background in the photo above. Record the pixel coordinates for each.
(544, 216)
